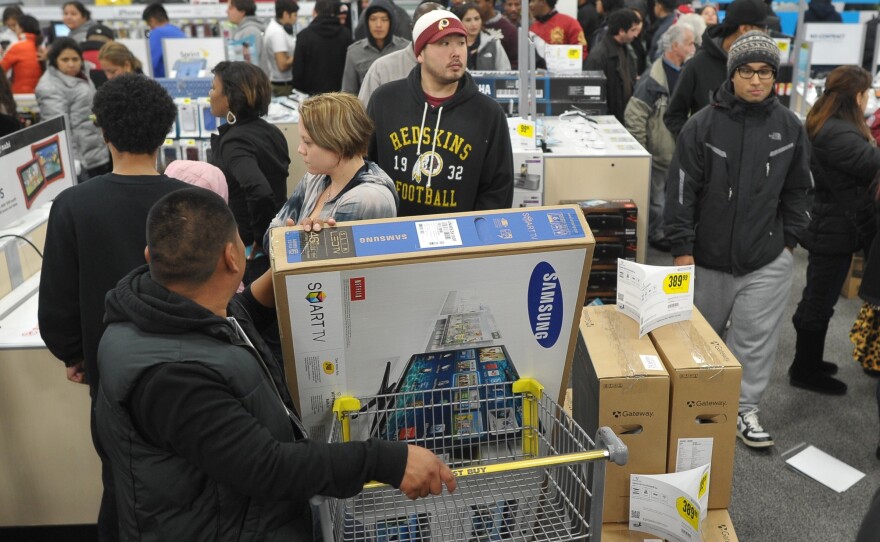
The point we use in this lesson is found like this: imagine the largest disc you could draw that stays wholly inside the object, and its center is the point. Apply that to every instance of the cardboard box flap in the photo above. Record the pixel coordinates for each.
(292, 248)
(615, 348)
(693, 345)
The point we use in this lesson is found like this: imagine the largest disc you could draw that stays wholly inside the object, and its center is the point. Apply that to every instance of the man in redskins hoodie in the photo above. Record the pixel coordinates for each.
(201, 432)
(445, 145)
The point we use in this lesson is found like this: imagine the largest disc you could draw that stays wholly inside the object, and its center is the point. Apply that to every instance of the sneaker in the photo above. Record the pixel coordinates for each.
(749, 430)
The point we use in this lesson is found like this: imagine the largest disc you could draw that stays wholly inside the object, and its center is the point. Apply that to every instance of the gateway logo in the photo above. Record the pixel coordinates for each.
(692, 404)
(630, 414)
(316, 297)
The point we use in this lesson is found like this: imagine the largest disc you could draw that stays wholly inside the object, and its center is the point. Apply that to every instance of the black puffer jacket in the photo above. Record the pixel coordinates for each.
(699, 78)
(870, 288)
(736, 193)
(843, 165)
(191, 410)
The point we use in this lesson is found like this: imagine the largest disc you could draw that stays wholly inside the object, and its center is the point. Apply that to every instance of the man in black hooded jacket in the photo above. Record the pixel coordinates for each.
(204, 441)
(319, 56)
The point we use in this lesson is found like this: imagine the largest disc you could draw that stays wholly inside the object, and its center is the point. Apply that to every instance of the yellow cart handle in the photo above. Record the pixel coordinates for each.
(553, 461)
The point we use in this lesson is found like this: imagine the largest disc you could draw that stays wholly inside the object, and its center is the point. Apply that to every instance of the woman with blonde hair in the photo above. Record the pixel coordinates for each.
(116, 60)
(845, 159)
(340, 185)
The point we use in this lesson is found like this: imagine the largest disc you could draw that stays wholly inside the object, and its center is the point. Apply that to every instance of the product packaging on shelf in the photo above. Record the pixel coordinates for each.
(187, 118)
(363, 303)
(717, 528)
(618, 381)
(705, 380)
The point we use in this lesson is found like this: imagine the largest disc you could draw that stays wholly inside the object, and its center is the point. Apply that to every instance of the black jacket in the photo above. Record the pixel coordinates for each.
(700, 76)
(472, 165)
(745, 169)
(821, 11)
(201, 435)
(843, 165)
(319, 56)
(870, 288)
(96, 235)
(590, 21)
(253, 156)
(606, 58)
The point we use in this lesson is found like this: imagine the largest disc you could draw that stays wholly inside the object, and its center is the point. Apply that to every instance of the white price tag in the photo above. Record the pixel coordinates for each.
(438, 233)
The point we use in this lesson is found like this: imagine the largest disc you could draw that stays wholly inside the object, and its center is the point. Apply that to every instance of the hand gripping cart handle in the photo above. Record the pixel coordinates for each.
(525, 470)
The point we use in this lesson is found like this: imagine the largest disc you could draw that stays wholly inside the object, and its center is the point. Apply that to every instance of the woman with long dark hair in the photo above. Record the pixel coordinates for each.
(251, 153)
(844, 161)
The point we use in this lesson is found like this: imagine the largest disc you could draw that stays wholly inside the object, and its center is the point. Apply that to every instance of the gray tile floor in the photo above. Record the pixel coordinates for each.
(773, 503)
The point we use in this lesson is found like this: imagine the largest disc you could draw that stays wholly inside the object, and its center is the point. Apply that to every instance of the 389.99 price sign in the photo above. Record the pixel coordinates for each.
(676, 283)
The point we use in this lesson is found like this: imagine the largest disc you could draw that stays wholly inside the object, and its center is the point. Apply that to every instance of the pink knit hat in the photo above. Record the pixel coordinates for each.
(200, 174)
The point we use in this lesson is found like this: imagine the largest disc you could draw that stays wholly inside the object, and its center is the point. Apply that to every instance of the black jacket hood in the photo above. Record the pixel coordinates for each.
(712, 39)
(151, 307)
(725, 98)
(327, 26)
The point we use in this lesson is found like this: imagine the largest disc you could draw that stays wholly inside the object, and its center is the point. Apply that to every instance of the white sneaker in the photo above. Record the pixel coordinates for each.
(749, 430)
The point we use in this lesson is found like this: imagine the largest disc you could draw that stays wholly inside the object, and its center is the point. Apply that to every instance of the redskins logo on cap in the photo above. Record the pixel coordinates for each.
(442, 23)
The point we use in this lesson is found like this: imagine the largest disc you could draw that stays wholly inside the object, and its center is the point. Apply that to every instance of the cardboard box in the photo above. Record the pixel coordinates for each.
(528, 179)
(717, 528)
(609, 249)
(362, 300)
(705, 380)
(609, 217)
(619, 381)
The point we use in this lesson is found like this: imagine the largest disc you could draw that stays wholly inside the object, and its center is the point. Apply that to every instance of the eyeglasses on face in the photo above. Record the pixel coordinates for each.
(763, 74)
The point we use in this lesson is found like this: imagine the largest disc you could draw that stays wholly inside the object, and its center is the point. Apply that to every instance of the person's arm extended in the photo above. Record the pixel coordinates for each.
(187, 408)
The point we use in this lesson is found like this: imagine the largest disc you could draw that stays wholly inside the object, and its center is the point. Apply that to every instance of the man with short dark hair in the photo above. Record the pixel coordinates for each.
(444, 143)
(249, 30)
(736, 204)
(96, 234)
(157, 19)
(513, 11)
(664, 17)
(204, 440)
(319, 57)
(279, 41)
(611, 56)
(708, 69)
(494, 21)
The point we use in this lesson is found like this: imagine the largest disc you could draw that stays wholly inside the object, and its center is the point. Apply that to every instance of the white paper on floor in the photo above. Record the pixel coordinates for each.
(824, 468)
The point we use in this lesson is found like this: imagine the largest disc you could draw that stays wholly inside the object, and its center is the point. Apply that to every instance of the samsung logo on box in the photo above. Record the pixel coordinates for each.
(545, 305)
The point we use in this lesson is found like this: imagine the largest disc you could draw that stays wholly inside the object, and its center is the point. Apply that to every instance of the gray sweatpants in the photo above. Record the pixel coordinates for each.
(754, 304)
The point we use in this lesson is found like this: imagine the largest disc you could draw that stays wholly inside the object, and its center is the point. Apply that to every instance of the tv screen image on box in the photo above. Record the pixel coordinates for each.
(32, 181)
(454, 397)
(48, 154)
(463, 321)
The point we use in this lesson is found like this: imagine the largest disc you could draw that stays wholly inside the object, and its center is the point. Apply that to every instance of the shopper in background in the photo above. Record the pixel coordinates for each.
(707, 70)
(378, 43)
(485, 51)
(822, 11)
(513, 11)
(844, 162)
(117, 60)
(20, 59)
(494, 21)
(321, 48)
(279, 41)
(65, 89)
(736, 205)
(468, 169)
(637, 46)
(242, 13)
(611, 56)
(237, 464)
(696, 24)
(78, 19)
(401, 26)
(96, 234)
(157, 19)
(9, 122)
(251, 153)
(605, 8)
(590, 19)
(394, 66)
(643, 118)
(10, 31)
(99, 35)
(664, 18)
(334, 133)
(201, 174)
(709, 13)
(554, 28)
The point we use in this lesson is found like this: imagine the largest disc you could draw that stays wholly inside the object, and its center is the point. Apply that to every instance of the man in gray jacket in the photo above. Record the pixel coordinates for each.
(743, 165)
(378, 43)
(243, 14)
(644, 119)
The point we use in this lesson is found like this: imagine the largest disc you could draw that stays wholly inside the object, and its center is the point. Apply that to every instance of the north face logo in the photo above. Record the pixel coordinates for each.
(776, 136)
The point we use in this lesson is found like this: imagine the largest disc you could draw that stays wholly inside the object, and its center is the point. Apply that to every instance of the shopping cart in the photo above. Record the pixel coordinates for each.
(525, 472)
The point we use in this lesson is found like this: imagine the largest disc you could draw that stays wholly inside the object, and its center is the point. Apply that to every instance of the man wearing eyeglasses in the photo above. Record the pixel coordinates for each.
(736, 203)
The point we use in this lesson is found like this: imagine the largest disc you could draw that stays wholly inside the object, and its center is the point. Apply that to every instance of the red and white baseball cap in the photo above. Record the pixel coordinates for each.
(433, 26)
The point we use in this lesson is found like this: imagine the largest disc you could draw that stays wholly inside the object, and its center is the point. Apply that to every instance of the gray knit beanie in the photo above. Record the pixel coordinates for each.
(752, 46)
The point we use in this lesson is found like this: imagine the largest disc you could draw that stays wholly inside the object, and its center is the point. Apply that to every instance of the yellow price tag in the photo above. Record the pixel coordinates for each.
(688, 512)
(525, 130)
(703, 483)
(677, 283)
(187, 100)
(574, 54)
